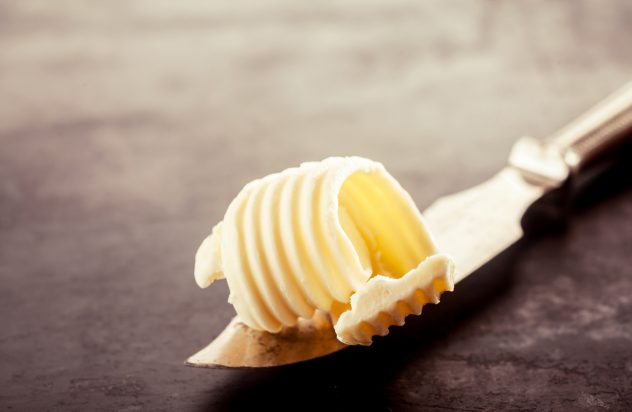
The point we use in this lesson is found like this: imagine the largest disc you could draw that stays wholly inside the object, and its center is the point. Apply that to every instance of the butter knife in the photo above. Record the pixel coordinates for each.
(473, 226)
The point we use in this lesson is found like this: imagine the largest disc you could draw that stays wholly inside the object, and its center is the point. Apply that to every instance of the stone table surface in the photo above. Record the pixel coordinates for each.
(126, 127)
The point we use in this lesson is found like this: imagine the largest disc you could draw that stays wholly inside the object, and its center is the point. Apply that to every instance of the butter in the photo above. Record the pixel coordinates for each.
(339, 236)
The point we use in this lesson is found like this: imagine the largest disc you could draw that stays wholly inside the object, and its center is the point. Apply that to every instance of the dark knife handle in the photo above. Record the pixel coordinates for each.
(596, 132)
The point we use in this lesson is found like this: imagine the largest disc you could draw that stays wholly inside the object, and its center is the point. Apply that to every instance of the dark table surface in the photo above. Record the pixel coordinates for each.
(126, 127)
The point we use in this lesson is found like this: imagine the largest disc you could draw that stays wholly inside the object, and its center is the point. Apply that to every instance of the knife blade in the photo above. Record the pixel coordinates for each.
(476, 224)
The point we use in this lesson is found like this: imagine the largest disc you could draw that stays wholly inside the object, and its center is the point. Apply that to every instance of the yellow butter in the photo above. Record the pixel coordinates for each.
(341, 236)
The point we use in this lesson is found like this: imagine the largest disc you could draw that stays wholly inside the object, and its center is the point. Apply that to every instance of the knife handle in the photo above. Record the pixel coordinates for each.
(550, 162)
(597, 131)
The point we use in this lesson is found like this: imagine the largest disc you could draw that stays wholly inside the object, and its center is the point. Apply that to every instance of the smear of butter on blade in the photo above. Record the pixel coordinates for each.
(340, 236)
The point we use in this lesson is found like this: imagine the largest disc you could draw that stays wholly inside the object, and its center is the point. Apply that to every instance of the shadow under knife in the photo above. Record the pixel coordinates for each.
(363, 377)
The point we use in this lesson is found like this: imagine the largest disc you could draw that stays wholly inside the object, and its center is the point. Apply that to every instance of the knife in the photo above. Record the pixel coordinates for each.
(477, 224)
(472, 226)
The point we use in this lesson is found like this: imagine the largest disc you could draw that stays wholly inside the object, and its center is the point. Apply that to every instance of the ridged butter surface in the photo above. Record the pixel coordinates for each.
(334, 236)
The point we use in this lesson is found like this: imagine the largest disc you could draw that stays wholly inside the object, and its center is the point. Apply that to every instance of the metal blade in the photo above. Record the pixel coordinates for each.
(473, 226)
(476, 224)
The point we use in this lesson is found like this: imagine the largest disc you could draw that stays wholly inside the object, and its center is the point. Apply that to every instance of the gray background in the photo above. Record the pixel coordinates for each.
(126, 127)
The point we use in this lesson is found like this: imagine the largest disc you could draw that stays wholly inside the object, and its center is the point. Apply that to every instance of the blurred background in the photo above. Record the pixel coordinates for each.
(126, 127)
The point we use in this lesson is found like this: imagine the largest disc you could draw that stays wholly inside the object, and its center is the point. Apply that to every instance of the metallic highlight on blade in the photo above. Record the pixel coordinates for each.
(476, 224)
